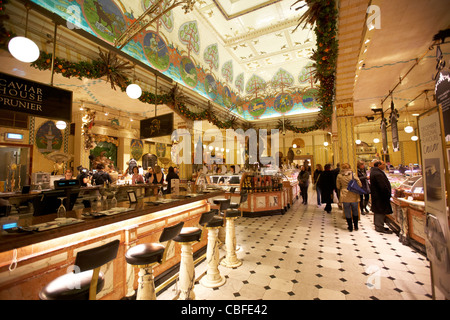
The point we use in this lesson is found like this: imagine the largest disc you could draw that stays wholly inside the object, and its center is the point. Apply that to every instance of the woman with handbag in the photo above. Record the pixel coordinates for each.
(348, 198)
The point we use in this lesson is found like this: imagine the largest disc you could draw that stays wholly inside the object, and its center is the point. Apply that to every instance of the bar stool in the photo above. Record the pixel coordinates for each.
(186, 238)
(86, 280)
(212, 279)
(223, 204)
(231, 260)
(145, 256)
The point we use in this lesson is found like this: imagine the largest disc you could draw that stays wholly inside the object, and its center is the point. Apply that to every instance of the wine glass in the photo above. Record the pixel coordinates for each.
(189, 190)
(61, 213)
(114, 200)
(99, 202)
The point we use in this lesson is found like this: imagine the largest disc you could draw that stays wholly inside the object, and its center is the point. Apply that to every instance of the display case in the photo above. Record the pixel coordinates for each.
(269, 191)
(408, 217)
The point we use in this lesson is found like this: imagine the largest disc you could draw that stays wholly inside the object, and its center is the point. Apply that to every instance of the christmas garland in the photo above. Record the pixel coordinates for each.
(324, 14)
(92, 70)
(321, 12)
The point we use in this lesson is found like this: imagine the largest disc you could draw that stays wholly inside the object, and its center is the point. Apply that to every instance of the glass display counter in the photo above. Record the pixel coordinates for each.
(408, 206)
(268, 192)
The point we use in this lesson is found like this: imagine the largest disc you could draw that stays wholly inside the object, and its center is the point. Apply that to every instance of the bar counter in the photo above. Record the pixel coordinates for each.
(29, 260)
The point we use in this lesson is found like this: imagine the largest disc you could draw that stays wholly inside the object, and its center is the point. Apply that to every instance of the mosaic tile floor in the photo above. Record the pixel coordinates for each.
(307, 254)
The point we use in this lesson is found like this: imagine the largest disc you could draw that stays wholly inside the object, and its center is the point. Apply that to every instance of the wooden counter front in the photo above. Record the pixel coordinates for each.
(408, 220)
(43, 256)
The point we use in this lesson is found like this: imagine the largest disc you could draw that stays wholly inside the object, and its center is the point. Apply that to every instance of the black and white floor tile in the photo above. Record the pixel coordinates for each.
(307, 254)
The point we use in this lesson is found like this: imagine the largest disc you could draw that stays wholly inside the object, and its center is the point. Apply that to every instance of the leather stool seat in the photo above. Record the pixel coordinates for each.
(77, 285)
(188, 234)
(144, 254)
(219, 201)
(234, 205)
(57, 289)
(232, 213)
(215, 222)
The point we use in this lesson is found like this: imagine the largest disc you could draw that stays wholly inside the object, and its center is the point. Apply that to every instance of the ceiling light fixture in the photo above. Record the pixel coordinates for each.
(408, 128)
(358, 141)
(414, 138)
(325, 144)
(376, 140)
(133, 90)
(23, 48)
(61, 125)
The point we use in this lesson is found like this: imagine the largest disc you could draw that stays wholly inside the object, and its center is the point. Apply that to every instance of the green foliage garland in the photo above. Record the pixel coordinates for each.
(324, 57)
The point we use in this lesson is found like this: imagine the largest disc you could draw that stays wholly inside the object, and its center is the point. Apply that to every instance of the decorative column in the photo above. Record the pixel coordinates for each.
(346, 150)
(81, 156)
(212, 279)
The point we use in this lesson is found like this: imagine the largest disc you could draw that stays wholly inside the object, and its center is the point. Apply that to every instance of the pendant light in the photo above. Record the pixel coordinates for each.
(23, 48)
(408, 128)
(133, 90)
(61, 125)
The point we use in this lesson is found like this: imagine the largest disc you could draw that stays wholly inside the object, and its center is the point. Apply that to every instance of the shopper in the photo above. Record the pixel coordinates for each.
(83, 176)
(380, 190)
(363, 198)
(303, 181)
(348, 199)
(158, 177)
(149, 176)
(316, 176)
(326, 183)
(101, 177)
(170, 176)
(136, 178)
(335, 173)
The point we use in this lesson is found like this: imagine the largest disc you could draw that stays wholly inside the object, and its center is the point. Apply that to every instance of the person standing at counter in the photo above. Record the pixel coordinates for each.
(136, 178)
(170, 176)
(83, 177)
(364, 198)
(303, 181)
(158, 177)
(326, 182)
(380, 190)
(347, 198)
(149, 176)
(101, 176)
(316, 176)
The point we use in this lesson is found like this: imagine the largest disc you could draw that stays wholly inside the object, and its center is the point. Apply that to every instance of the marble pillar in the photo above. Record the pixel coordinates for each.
(231, 260)
(187, 272)
(212, 279)
(146, 284)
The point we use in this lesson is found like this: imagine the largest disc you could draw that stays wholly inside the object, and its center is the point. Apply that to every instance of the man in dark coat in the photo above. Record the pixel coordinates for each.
(327, 184)
(380, 188)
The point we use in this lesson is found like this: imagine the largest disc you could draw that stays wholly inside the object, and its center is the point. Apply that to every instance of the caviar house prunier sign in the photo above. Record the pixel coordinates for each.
(34, 98)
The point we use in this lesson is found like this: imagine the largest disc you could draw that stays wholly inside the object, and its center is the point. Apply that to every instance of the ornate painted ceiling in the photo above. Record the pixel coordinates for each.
(240, 54)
